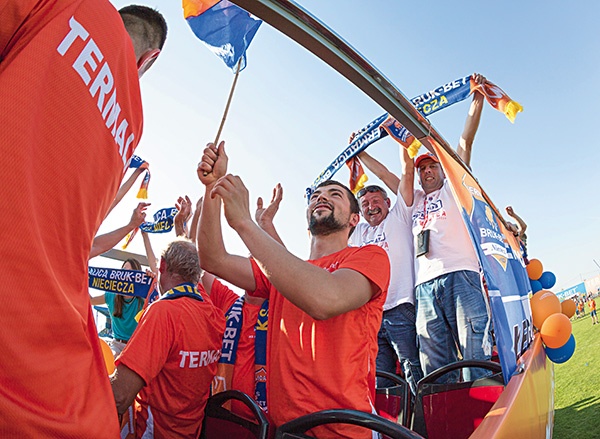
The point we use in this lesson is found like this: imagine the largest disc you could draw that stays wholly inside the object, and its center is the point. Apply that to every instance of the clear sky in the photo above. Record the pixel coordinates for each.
(292, 114)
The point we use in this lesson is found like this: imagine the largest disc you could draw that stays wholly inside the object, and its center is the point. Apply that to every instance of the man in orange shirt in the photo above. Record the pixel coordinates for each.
(171, 359)
(71, 116)
(324, 314)
(592, 305)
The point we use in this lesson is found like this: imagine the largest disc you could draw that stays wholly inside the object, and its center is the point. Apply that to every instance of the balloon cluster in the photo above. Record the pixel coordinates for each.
(550, 316)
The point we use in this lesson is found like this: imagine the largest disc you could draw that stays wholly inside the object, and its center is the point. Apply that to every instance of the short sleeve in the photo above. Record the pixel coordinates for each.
(401, 210)
(222, 296)
(372, 262)
(147, 351)
(263, 285)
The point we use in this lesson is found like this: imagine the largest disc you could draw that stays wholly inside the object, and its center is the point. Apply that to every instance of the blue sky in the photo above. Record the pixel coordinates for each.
(292, 114)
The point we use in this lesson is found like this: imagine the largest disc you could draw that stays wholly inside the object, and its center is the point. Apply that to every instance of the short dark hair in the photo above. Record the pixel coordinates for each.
(354, 207)
(147, 23)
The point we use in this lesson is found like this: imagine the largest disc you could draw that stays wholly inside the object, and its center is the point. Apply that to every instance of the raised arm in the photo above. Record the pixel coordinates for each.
(104, 243)
(125, 187)
(518, 219)
(150, 253)
(465, 143)
(211, 249)
(407, 183)
(184, 212)
(390, 179)
(196, 220)
(317, 292)
(265, 215)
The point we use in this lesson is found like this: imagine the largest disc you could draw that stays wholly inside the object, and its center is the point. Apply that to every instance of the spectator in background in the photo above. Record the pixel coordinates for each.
(592, 306)
(122, 311)
(518, 230)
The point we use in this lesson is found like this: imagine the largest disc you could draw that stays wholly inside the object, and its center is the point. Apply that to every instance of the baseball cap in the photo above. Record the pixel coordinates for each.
(422, 157)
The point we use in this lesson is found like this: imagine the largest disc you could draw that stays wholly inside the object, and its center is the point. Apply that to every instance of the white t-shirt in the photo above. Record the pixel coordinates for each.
(450, 247)
(393, 234)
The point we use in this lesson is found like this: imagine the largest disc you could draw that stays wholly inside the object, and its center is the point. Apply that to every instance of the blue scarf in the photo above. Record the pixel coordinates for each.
(233, 329)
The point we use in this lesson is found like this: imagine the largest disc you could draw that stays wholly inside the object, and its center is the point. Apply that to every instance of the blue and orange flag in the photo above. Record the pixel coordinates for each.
(225, 28)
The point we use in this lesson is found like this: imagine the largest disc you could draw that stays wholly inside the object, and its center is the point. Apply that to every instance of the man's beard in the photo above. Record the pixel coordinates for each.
(324, 225)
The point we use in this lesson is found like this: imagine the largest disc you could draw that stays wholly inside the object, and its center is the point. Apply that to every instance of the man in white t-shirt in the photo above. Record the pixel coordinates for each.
(390, 228)
(453, 319)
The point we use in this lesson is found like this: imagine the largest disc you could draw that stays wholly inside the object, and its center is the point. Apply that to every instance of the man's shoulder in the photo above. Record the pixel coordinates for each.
(368, 250)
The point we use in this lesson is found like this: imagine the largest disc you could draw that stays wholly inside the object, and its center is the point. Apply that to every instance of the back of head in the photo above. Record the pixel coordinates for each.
(181, 259)
(146, 27)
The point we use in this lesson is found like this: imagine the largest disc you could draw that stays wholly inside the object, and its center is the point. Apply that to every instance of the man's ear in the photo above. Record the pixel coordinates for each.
(388, 202)
(146, 60)
(162, 267)
(354, 219)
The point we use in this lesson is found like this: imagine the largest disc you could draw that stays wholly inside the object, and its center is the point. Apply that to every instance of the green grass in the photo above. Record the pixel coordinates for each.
(577, 391)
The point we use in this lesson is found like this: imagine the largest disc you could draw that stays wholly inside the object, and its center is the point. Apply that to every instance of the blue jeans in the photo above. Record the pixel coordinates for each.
(451, 315)
(397, 339)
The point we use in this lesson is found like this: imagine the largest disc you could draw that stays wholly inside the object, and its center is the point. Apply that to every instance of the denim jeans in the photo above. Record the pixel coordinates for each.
(451, 312)
(397, 339)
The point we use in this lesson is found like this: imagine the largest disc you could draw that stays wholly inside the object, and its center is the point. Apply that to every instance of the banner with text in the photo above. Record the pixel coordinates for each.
(120, 281)
(502, 263)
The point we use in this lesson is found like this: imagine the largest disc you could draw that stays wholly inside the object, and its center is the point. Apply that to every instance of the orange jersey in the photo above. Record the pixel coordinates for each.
(328, 364)
(70, 117)
(243, 375)
(592, 305)
(175, 350)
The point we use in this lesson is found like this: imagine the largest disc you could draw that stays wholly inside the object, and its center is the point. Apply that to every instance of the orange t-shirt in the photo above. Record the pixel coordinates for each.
(175, 350)
(68, 69)
(316, 365)
(592, 304)
(243, 375)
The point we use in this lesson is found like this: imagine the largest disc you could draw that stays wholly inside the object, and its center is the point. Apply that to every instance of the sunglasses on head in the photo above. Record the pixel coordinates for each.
(373, 188)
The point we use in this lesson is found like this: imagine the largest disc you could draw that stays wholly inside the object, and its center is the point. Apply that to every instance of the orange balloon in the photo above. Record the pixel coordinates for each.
(534, 269)
(109, 358)
(568, 307)
(556, 330)
(544, 303)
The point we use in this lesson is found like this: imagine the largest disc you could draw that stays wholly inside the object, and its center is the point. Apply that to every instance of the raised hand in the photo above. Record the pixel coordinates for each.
(213, 164)
(139, 214)
(235, 198)
(184, 207)
(265, 215)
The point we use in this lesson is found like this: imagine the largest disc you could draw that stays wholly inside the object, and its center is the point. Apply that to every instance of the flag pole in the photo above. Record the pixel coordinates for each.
(235, 78)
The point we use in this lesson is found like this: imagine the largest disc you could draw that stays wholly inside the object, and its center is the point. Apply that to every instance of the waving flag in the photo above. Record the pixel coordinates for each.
(225, 28)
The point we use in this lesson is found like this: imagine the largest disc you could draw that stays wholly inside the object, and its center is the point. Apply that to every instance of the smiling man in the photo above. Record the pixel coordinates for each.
(390, 228)
(452, 314)
(324, 313)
